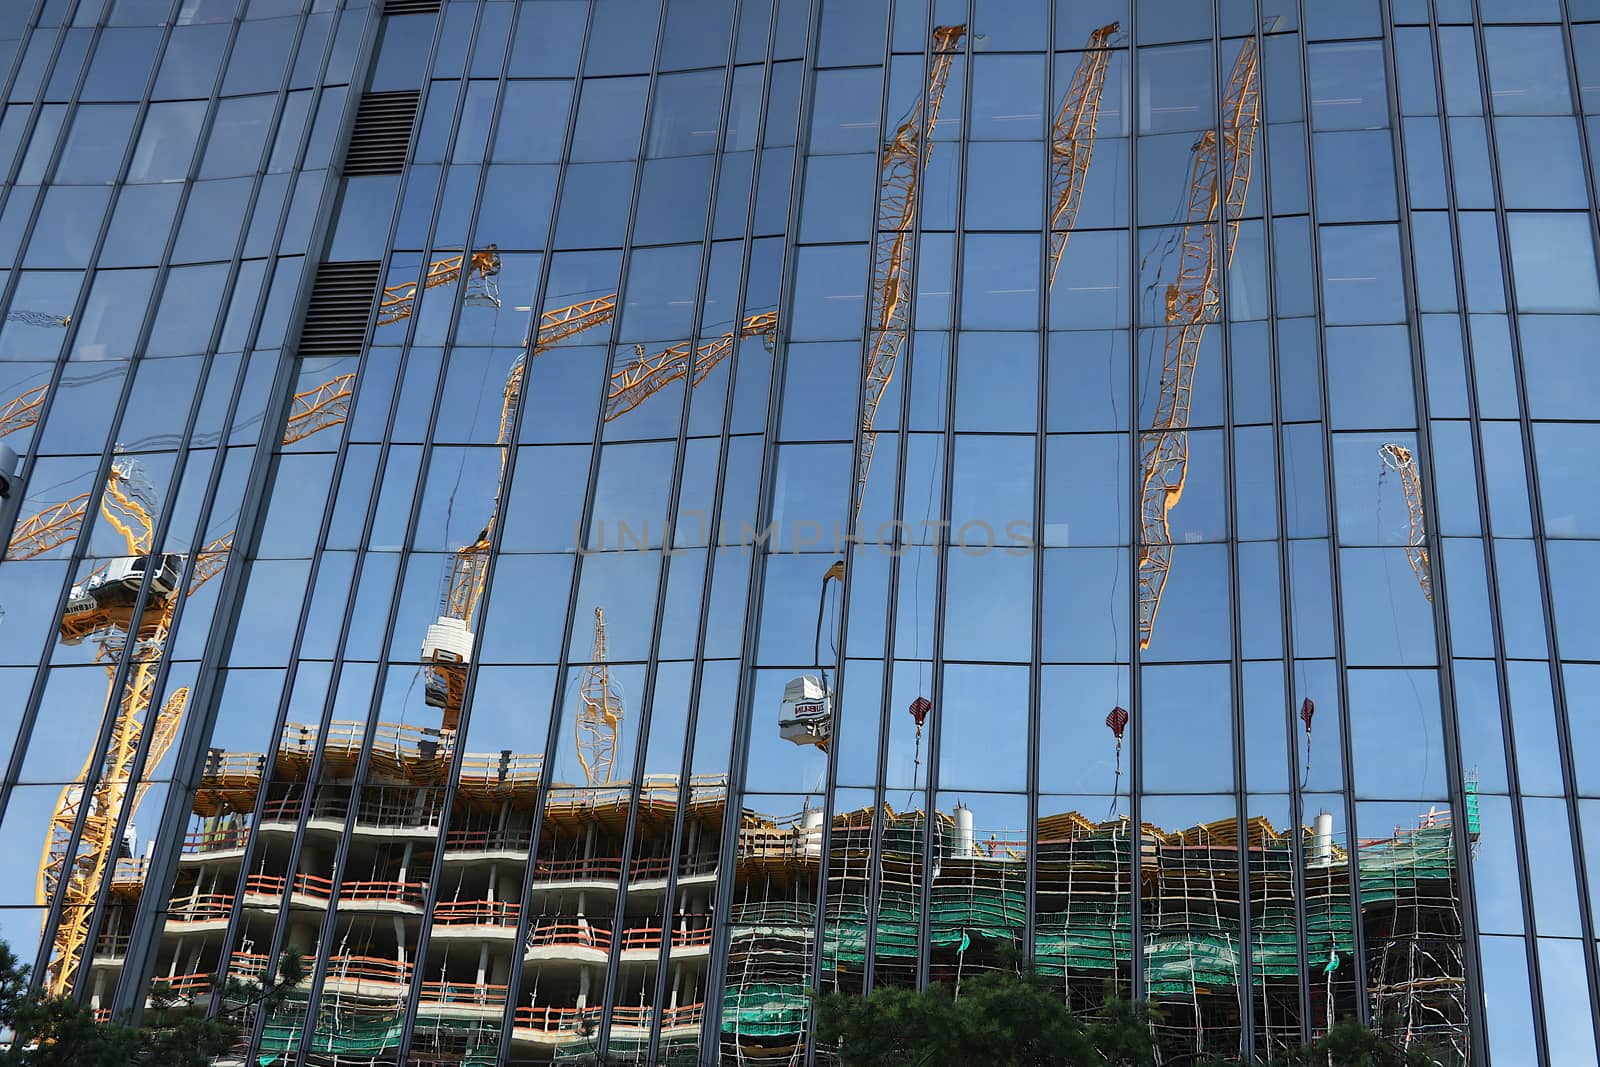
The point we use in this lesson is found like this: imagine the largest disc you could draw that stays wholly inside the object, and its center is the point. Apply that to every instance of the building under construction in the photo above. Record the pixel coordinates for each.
(594, 523)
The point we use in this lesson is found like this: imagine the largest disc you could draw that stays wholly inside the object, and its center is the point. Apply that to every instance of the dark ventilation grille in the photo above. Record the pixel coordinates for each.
(411, 7)
(382, 134)
(341, 302)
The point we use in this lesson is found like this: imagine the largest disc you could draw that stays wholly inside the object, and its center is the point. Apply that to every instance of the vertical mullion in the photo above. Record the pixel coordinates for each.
(123, 666)
(727, 866)
(1297, 874)
(1227, 165)
(1541, 563)
(713, 519)
(1135, 688)
(652, 656)
(79, 550)
(129, 994)
(1590, 922)
(213, 481)
(409, 553)
(1444, 657)
(1358, 964)
(855, 496)
(553, 729)
(932, 843)
(361, 554)
(1041, 429)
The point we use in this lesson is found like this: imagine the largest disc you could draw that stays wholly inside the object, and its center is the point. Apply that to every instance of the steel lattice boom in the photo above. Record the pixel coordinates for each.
(1072, 140)
(1399, 459)
(1193, 302)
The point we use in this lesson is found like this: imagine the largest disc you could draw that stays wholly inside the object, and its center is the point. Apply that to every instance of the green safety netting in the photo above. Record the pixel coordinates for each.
(351, 1035)
(672, 1051)
(1180, 962)
(765, 1009)
(1274, 952)
(1091, 935)
(1392, 868)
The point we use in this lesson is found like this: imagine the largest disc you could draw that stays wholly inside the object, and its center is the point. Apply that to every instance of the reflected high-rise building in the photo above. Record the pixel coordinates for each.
(597, 522)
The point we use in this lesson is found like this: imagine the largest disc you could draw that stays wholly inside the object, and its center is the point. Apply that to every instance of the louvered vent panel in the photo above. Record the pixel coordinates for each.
(382, 133)
(341, 302)
(411, 7)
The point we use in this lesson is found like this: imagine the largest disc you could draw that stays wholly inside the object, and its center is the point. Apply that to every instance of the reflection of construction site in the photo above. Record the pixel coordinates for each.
(970, 892)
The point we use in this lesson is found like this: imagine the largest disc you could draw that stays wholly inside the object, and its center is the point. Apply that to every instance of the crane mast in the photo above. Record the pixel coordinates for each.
(1072, 140)
(903, 158)
(1193, 302)
(1398, 458)
(599, 712)
(101, 606)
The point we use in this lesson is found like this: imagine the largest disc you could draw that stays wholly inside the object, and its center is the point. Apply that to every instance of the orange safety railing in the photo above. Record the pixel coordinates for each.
(187, 985)
(305, 885)
(285, 809)
(200, 908)
(556, 1020)
(215, 840)
(600, 868)
(567, 933)
(487, 840)
(649, 937)
(460, 993)
(371, 811)
(368, 969)
(476, 913)
(640, 1016)
(659, 866)
(254, 964)
(393, 892)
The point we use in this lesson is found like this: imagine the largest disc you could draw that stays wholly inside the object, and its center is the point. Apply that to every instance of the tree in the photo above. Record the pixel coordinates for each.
(1350, 1044)
(1010, 1020)
(60, 1032)
(1000, 1019)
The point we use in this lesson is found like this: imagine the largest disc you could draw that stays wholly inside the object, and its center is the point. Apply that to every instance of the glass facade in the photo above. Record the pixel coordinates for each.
(593, 519)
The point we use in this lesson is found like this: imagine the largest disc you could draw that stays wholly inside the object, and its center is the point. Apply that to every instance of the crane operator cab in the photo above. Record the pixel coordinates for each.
(446, 642)
(118, 584)
(807, 714)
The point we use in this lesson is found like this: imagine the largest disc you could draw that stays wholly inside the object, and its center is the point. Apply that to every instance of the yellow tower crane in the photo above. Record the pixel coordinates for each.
(806, 716)
(22, 412)
(903, 159)
(1398, 458)
(398, 301)
(1193, 302)
(1072, 139)
(448, 644)
(101, 607)
(599, 713)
